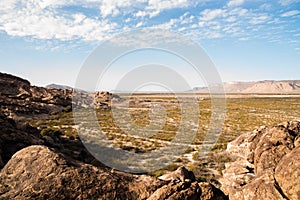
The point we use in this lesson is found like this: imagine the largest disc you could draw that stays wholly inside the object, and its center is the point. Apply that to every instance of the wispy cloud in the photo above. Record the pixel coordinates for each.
(235, 3)
(288, 2)
(290, 13)
(209, 14)
(33, 19)
(259, 19)
(96, 20)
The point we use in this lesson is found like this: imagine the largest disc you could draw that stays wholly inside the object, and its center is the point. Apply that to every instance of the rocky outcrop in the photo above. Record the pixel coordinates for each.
(37, 172)
(102, 100)
(14, 137)
(20, 101)
(287, 174)
(266, 164)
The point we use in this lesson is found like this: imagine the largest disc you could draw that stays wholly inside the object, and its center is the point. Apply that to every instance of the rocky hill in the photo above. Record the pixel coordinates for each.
(20, 100)
(259, 87)
(266, 164)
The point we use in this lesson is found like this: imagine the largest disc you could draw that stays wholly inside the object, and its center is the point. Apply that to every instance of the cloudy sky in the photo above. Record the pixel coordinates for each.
(47, 41)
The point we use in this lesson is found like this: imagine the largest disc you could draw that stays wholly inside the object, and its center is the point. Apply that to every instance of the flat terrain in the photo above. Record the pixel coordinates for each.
(124, 124)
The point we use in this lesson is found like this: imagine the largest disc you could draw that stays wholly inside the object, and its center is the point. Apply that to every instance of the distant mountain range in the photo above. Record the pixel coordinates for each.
(56, 86)
(255, 87)
(259, 87)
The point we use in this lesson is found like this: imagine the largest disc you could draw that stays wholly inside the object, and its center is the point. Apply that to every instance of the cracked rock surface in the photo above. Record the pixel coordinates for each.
(266, 164)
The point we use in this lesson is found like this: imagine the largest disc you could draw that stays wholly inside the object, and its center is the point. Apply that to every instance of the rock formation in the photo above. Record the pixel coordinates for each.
(38, 172)
(20, 101)
(266, 164)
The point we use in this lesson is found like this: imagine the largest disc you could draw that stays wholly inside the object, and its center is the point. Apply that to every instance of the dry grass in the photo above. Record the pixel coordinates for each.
(242, 115)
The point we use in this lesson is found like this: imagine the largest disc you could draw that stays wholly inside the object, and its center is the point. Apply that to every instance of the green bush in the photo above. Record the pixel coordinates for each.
(67, 109)
(51, 132)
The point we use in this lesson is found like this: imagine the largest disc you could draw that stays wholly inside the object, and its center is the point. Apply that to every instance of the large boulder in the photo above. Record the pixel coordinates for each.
(38, 172)
(287, 174)
(262, 161)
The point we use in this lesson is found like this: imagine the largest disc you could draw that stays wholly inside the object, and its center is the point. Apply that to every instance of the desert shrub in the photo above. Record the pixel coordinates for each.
(51, 132)
(189, 149)
(67, 109)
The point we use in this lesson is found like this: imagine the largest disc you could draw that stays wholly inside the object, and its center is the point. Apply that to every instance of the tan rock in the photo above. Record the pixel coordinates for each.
(257, 156)
(287, 174)
(38, 172)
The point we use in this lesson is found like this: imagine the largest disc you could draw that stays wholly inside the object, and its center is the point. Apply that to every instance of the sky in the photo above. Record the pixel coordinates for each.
(47, 41)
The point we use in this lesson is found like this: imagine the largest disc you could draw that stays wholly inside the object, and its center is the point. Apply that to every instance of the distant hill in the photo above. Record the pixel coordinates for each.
(56, 86)
(259, 87)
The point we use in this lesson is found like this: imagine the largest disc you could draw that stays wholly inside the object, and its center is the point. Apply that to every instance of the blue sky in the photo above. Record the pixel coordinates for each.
(47, 41)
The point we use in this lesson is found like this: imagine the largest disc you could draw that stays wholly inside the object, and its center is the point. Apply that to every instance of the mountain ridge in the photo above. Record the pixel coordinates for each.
(258, 87)
(58, 86)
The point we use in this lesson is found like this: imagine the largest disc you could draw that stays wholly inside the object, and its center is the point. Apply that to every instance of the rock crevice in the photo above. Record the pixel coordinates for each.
(266, 164)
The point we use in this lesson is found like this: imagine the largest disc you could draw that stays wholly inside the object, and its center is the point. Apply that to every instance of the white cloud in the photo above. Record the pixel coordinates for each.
(213, 35)
(30, 19)
(243, 39)
(78, 18)
(231, 19)
(166, 4)
(209, 14)
(116, 7)
(52, 19)
(139, 24)
(109, 8)
(7, 5)
(154, 13)
(265, 6)
(235, 3)
(141, 14)
(238, 12)
(149, 8)
(50, 3)
(259, 19)
(127, 20)
(153, 8)
(290, 13)
(287, 2)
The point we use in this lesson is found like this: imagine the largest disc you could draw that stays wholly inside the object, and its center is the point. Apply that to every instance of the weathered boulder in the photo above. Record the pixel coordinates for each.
(177, 190)
(38, 172)
(272, 146)
(287, 174)
(181, 174)
(102, 99)
(257, 155)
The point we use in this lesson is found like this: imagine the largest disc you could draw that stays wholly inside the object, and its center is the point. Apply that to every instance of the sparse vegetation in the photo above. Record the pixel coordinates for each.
(51, 132)
(243, 114)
